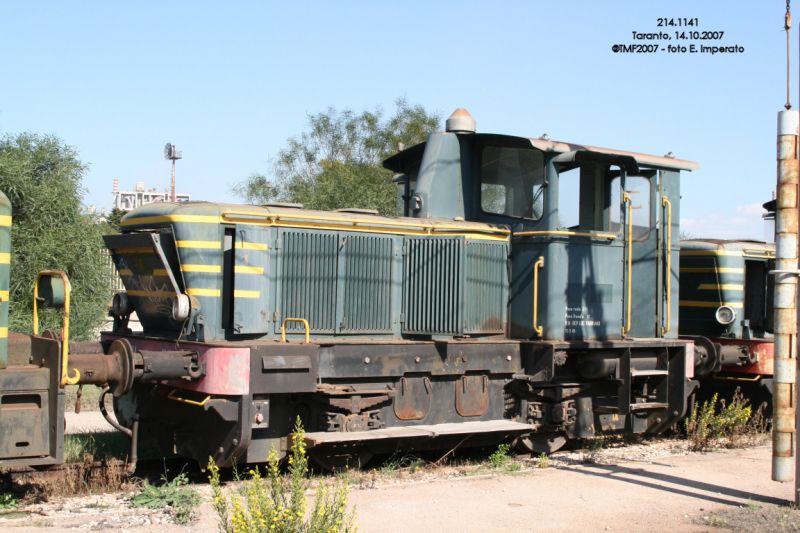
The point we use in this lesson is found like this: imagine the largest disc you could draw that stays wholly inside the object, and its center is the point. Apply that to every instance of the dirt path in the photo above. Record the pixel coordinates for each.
(668, 494)
(87, 422)
(660, 492)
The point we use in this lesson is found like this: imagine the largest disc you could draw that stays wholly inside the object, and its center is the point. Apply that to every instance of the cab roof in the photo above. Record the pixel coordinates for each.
(408, 160)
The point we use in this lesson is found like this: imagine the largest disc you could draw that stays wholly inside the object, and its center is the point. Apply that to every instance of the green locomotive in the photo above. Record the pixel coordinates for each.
(726, 307)
(529, 292)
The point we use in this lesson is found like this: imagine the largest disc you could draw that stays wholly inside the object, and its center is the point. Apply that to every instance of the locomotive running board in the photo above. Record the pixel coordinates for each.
(411, 432)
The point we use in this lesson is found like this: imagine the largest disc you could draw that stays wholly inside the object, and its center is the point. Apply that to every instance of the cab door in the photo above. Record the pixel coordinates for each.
(643, 258)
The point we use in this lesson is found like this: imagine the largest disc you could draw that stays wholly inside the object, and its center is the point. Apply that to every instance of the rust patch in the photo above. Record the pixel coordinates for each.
(492, 323)
(472, 395)
(413, 399)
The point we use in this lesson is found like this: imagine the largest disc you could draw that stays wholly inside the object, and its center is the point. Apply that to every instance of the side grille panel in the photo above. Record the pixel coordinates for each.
(366, 262)
(308, 280)
(433, 293)
(486, 294)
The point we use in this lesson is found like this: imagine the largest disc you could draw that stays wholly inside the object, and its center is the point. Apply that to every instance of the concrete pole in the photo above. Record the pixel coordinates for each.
(786, 225)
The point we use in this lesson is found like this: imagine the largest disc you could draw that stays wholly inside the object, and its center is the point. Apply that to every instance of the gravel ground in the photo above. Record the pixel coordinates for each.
(656, 486)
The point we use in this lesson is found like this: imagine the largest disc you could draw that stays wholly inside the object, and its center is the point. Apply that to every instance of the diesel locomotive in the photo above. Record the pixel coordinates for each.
(528, 291)
(726, 309)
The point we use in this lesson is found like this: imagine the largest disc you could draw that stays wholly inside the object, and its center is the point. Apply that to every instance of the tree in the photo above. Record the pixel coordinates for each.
(336, 163)
(42, 178)
(114, 218)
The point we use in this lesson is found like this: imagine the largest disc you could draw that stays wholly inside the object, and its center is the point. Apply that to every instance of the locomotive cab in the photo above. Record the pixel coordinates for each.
(594, 232)
(593, 294)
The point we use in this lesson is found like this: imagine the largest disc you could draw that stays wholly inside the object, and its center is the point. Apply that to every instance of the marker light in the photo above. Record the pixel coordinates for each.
(725, 315)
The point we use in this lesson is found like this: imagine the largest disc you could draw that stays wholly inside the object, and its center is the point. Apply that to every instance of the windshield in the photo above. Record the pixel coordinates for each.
(512, 182)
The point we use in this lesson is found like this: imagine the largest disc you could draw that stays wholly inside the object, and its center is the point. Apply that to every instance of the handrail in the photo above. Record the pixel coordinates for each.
(65, 378)
(305, 325)
(536, 233)
(172, 396)
(626, 199)
(750, 252)
(273, 217)
(536, 266)
(666, 203)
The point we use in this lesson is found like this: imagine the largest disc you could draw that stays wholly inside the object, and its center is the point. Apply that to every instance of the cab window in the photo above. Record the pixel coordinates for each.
(512, 182)
(588, 196)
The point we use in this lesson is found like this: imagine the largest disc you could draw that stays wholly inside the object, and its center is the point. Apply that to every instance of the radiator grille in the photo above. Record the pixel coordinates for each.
(486, 287)
(433, 285)
(367, 280)
(308, 280)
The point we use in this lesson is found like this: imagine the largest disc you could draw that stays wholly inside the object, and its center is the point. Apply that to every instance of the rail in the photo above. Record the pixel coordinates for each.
(65, 378)
(301, 320)
(566, 233)
(273, 218)
(536, 267)
(626, 199)
(173, 396)
(666, 203)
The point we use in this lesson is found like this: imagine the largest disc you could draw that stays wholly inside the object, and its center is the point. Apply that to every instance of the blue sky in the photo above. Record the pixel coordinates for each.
(230, 82)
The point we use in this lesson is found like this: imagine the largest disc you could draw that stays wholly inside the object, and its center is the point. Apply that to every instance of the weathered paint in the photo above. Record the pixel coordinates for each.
(786, 234)
(393, 304)
(5, 272)
(342, 282)
(227, 368)
(713, 274)
(761, 352)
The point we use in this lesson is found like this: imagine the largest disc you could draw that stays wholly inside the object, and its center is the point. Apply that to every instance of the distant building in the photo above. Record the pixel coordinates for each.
(127, 200)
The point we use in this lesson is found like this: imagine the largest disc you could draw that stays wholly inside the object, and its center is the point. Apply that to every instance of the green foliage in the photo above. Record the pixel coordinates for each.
(99, 446)
(42, 178)
(180, 499)
(542, 461)
(709, 423)
(501, 458)
(273, 502)
(399, 462)
(336, 163)
(7, 501)
(114, 217)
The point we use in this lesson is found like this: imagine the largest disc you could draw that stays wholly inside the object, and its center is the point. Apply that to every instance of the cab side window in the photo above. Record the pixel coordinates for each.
(512, 182)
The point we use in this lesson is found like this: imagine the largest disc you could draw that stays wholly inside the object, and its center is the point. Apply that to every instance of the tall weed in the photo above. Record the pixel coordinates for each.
(277, 503)
(720, 423)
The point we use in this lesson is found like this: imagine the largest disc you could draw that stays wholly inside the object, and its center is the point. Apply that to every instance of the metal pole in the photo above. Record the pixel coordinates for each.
(174, 198)
(788, 27)
(786, 225)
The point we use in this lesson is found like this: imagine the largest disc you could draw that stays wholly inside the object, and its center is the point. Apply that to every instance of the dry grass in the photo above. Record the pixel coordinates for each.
(86, 477)
(401, 468)
(94, 464)
(753, 517)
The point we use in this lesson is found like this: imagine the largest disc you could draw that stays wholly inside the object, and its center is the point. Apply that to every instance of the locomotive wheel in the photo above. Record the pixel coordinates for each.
(536, 444)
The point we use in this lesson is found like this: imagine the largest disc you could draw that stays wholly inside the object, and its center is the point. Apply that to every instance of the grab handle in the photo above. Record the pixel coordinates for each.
(626, 198)
(305, 326)
(536, 266)
(667, 325)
